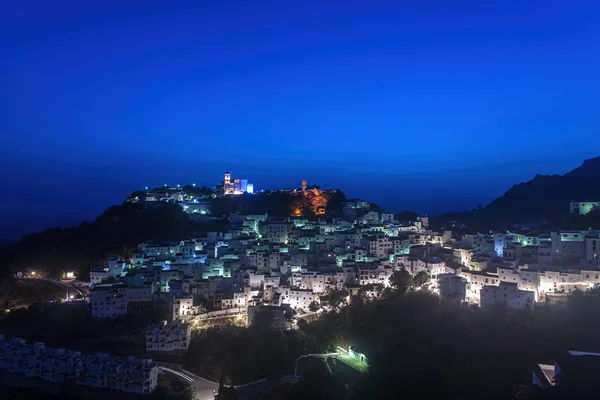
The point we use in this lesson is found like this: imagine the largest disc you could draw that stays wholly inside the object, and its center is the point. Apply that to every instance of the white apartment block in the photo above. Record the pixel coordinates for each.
(275, 231)
(381, 246)
(160, 250)
(250, 278)
(507, 294)
(314, 281)
(476, 282)
(174, 336)
(97, 275)
(504, 240)
(140, 293)
(564, 282)
(109, 300)
(368, 276)
(387, 217)
(452, 288)
(583, 207)
(297, 298)
(568, 246)
(72, 368)
(274, 281)
(182, 307)
(236, 298)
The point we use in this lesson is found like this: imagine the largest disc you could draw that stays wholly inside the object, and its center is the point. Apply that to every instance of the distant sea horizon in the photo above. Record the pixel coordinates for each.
(13, 228)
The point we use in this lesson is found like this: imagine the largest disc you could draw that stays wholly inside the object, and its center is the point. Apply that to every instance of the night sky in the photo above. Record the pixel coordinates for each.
(425, 105)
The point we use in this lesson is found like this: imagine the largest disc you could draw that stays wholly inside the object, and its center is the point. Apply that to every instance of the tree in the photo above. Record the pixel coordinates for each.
(335, 201)
(337, 298)
(406, 216)
(421, 279)
(314, 306)
(316, 386)
(225, 393)
(374, 207)
(263, 320)
(401, 280)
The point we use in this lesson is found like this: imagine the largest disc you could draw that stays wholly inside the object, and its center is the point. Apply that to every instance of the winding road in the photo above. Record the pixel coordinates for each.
(205, 389)
(56, 282)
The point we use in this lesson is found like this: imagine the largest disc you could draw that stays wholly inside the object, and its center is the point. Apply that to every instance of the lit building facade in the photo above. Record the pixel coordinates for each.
(165, 336)
(583, 207)
(236, 186)
(62, 366)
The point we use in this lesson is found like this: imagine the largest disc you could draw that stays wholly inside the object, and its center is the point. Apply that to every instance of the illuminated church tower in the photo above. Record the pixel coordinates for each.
(227, 185)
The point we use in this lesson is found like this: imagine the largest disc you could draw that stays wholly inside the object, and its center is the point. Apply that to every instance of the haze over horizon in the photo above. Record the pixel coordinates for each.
(429, 107)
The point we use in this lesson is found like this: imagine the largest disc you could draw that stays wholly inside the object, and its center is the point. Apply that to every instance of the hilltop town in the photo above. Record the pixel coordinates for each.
(282, 272)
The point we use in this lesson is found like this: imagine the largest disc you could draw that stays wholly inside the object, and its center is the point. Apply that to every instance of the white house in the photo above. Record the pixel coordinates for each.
(452, 288)
(583, 207)
(168, 336)
(507, 294)
(98, 274)
(109, 300)
(182, 307)
(297, 298)
(131, 375)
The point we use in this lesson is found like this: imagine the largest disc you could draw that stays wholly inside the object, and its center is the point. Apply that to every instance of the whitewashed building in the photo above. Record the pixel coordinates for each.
(109, 300)
(297, 298)
(165, 336)
(62, 366)
(97, 275)
(182, 307)
(507, 294)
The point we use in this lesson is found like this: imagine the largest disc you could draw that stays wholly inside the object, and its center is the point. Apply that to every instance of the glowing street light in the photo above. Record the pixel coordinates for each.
(146, 187)
(193, 184)
(177, 185)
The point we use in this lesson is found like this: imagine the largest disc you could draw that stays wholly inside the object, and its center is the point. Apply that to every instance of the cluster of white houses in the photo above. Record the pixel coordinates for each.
(293, 262)
(71, 367)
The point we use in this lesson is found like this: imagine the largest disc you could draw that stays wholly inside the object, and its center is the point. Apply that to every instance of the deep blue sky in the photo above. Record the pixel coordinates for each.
(426, 105)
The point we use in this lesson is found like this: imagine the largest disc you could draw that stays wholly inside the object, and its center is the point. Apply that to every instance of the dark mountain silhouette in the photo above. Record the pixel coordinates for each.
(545, 197)
(12, 228)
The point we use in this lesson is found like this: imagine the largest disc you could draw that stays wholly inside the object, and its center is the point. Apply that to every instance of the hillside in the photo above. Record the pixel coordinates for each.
(545, 197)
(114, 232)
(122, 227)
(281, 203)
